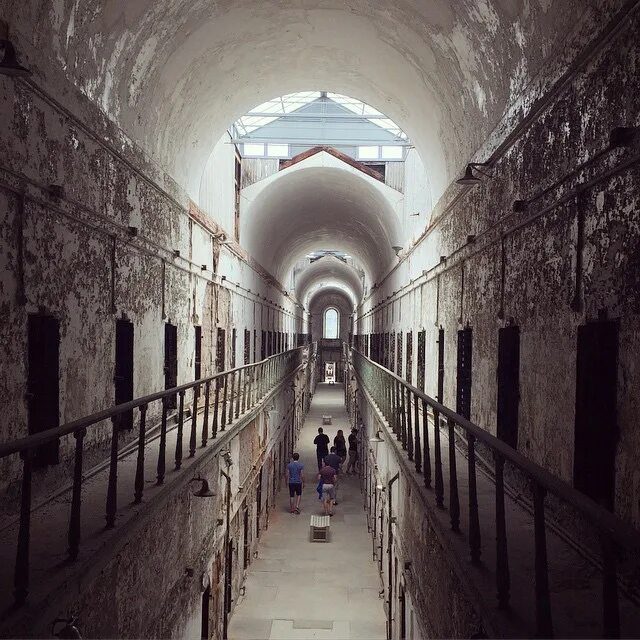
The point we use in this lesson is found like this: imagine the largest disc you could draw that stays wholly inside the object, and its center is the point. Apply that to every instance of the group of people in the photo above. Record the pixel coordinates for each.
(330, 461)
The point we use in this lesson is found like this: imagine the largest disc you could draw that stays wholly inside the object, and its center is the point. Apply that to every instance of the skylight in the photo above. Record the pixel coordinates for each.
(261, 115)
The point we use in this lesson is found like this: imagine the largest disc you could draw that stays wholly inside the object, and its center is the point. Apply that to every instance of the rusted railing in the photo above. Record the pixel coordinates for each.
(227, 395)
(410, 414)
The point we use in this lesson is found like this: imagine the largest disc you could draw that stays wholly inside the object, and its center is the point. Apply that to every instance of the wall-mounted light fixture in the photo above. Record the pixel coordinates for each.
(519, 206)
(223, 278)
(133, 231)
(226, 455)
(623, 136)
(471, 238)
(377, 438)
(56, 191)
(176, 253)
(203, 491)
(443, 259)
(397, 249)
(469, 179)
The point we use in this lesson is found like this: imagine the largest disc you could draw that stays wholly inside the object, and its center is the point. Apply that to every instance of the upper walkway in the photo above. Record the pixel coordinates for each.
(299, 589)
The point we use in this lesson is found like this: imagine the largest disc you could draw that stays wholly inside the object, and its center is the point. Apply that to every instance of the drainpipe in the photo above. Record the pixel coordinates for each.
(227, 569)
(389, 548)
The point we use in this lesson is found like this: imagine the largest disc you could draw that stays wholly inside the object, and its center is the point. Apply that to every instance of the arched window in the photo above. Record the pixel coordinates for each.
(331, 321)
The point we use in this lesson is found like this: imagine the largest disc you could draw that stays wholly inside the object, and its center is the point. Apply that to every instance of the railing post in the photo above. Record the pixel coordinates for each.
(231, 378)
(76, 496)
(417, 440)
(163, 443)
(223, 407)
(454, 503)
(544, 626)
(437, 457)
(238, 389)
(178, 456)
(193, 436)
(403, 418)
(112, 490)
(21, 573)
(474, 520)
(426, 454)
(139, 480)
(216, 409)
(409, 434)
(205, 418)
(610, 607)
(502, 557)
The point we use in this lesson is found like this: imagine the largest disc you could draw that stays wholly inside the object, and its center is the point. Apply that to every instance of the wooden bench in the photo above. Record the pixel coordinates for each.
(319, 529)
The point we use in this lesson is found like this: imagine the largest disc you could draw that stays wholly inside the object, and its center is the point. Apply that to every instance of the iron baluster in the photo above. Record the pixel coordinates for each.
(139, 480)
(403, 417)
(409, 434)
(216, 410)
(162, 453)
(417, 443)
(238, 387)
(21, 574)
(544, 626)
(474, 519)
(454, 502)
(194, 423)
(437, 457)
(502, 557)
(76, 497)
(205, 418)
(178, 456)
(112, 490)
(426, 454)
(232, 380)
(223, 404)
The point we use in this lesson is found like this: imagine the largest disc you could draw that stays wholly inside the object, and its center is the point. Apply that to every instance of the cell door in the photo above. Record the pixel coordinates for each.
(440, 371)
(259, 501)
(234, 346)
(170, 361)
(508, 385)
(245, 537)
(206, 613)
(399, 354)
(463, 396)
(197, 361)
(43, 386)
(220, 350)
(263, 346)
(421, 359)
(247, 346)
(123, 375)
(596, 428)
(409, 369)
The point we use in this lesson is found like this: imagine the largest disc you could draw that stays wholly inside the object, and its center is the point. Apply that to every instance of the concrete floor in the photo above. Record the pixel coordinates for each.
(302, 590)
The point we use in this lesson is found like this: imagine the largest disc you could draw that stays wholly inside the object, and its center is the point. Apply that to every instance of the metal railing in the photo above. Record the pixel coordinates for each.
(227, 395)
(409, 413)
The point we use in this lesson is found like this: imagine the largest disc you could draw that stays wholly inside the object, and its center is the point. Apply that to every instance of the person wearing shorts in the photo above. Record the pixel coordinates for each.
(295, 478)
(328, 476)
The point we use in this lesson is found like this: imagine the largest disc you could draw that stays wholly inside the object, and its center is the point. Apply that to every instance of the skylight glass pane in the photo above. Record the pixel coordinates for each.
(253, 149)
(368, 153)
(278, 150)
(392, 153)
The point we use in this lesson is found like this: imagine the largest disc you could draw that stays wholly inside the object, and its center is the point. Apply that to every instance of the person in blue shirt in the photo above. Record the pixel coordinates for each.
(295, 478)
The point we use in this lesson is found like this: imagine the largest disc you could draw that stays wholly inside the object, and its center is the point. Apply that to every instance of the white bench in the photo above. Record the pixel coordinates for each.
(319, 529)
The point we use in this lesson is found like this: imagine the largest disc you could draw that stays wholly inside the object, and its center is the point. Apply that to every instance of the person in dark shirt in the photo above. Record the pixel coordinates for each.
(322, 446)
(340, 445)
(353, 451)
(328, 476)
(334, 460)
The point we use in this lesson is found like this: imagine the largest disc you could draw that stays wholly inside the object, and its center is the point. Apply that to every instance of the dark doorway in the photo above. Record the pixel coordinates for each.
(234, 346)
(259, 502)
(43, 386)
(247, 346)
(440, 342)
(206, 603)
(392, 352)
(508, 385)
(170, 361)
(197, 364)
(220, 350)
(255, 345)
(409, 371)
(421, 359)
(596, 428)
(263, 346)
(123, 375)
(399, 358)
(463, 397)
(403, 613)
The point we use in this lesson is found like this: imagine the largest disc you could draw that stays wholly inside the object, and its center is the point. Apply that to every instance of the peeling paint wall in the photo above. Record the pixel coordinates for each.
(522, 266)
